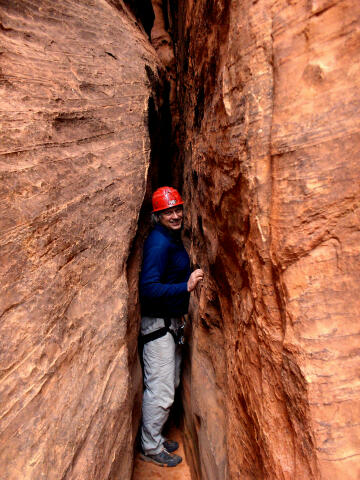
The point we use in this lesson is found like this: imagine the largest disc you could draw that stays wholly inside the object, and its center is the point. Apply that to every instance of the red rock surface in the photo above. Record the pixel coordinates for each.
(269, 94)
(74, 154)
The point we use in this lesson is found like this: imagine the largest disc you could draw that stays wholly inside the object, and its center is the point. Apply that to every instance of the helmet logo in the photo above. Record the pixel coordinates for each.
(171, 202)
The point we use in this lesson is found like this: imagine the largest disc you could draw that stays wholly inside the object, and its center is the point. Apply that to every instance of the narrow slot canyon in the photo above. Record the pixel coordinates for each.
(250, 108)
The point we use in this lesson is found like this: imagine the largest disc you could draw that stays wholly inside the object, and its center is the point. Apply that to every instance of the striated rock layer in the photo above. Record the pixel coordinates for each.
(74, 155)
(270, 103)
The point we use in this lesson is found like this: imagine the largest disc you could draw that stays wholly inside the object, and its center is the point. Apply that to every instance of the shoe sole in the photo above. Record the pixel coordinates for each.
(145, 458)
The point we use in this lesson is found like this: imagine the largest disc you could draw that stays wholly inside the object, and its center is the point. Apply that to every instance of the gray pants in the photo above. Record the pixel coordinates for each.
(162, 360)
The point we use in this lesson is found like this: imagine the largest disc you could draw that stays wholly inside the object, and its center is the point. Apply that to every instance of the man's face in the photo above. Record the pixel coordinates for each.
(172, 217)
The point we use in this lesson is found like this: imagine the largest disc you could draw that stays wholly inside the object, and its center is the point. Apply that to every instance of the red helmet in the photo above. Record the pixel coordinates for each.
(165, 197)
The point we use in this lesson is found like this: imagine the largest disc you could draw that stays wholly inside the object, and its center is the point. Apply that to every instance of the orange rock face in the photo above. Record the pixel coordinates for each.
(269, 97)
(74, 158)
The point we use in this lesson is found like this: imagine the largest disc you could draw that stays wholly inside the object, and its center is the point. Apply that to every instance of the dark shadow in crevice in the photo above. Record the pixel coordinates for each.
(144, 13)
(159, 122)
(160, 173)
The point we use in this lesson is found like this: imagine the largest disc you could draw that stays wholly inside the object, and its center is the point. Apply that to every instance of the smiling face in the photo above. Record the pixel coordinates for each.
(172, 218)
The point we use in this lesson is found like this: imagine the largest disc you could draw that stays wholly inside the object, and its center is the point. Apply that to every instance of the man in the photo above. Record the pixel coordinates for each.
(165, 286)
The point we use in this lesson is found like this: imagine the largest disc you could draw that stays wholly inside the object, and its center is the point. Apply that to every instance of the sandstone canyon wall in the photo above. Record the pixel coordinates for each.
(268, 132)
(75, 151)
(269, 105)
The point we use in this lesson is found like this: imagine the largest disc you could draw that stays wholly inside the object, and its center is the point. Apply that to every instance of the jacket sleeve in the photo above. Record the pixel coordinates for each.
(154, 263)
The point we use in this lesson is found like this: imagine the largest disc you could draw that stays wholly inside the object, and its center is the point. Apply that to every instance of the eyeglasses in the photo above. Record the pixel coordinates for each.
(169, 213)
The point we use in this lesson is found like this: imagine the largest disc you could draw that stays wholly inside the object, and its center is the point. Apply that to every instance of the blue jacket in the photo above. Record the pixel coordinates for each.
(164, 275)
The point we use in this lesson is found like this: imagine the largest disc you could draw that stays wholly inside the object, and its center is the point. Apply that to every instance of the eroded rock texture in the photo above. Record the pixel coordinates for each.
(270, 103)
(74, 158)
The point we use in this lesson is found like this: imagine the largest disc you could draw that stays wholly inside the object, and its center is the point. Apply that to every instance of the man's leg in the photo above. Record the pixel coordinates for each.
(159, 380)
(172, 445)
(178, 357)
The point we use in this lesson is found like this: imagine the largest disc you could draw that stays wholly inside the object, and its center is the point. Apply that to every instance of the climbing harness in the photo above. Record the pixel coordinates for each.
(161, 332)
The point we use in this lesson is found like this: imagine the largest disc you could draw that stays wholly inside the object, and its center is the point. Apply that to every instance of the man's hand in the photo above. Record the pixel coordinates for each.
(194, 279)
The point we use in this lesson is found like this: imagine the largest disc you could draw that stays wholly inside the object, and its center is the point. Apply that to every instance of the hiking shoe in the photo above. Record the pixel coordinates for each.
(163, 459)
(171, 445)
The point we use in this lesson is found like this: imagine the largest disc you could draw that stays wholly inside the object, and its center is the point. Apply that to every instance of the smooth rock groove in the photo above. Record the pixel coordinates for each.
(74, 155)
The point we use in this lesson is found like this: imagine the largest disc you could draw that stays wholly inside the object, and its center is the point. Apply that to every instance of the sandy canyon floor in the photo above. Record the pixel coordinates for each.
(149, 471)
